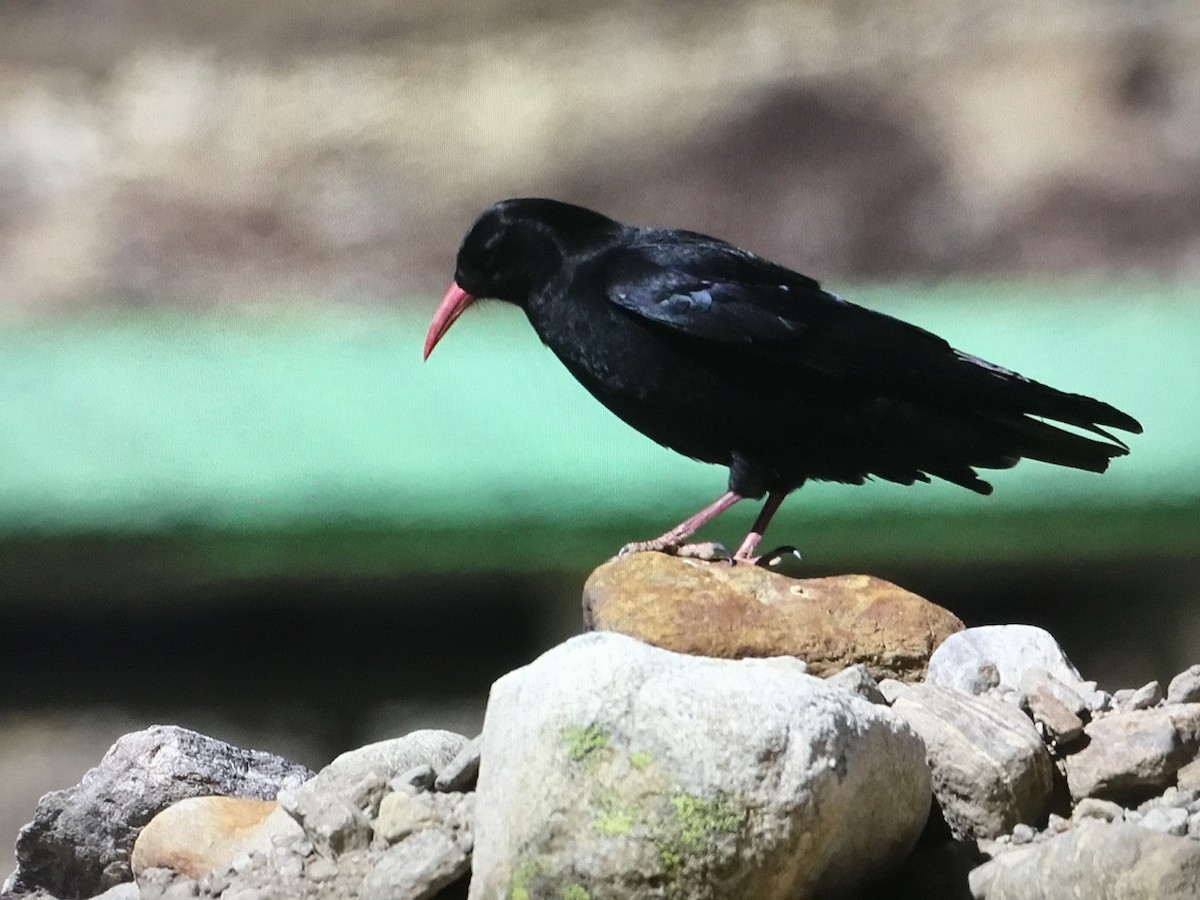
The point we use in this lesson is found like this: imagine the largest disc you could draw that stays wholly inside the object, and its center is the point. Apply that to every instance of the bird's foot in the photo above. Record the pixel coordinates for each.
(708, 550)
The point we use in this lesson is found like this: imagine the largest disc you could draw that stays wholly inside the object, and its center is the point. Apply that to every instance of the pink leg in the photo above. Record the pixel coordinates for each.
(750, 544)
(674, 538)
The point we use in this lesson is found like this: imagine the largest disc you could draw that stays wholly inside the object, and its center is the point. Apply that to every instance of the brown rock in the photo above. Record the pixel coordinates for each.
(734, 611)
(197, 835)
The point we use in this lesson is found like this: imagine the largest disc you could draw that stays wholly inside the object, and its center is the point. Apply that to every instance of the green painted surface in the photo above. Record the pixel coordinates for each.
(326, 438)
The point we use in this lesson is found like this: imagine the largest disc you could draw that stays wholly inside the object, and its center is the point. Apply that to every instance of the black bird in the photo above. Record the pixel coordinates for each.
(735, 360)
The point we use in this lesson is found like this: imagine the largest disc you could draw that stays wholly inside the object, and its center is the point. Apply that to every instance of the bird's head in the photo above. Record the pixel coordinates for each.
(511, 252)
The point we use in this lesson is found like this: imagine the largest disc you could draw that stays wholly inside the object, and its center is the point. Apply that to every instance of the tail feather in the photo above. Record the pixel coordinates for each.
(1001, 388)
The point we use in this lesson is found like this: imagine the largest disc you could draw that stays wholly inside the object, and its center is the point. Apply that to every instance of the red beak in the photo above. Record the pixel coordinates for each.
(453, 305)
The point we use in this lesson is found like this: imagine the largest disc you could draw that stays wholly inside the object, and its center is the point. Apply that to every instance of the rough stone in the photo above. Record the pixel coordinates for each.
(387, 759)
(614, 768)
(417, 868)
(1096, 860)
(979, 659)
(461, 772)
(79, 841)
(891, 688)
(1128, 756)
(1054, 705)
(127, 890)
(857, 680)
(1146, 696)
(732, 612)
(1188, 777)
(199, 834)
(1173, 820)
(990, 769)
(1095, 808)
(1185, 687)
(330, 821)
(402, 814)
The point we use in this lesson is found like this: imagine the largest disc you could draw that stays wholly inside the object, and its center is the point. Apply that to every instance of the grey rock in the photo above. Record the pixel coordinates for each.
(421, 777)
(857, 680)
(1186, 719)
(322, 869)
(1023, 834)
(153, 883)
(1188, 777)
(330, 820)
(1172, 796)
(1098, 701)
(1146, 696)
(1194, 825)
(461, 772)
(1095, 808)
(125, 891)
(990, 769)
(891, 688)
(615, 768)
(979, 659)
(1096, 860)
(1173, 820)
(1128, 755)
(417, 868)
(334, 807)
(79, 841)
(1038, 680)
(1053, 705)
(1185, 687)
(388, 759)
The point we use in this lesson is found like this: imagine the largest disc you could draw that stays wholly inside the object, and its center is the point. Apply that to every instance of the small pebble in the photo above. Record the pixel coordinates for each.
(367, 793)
(215, 883)
(1142, 698)
(243, 862)
(461, 772)
(290, 866)
(181, 889)
(420, 777)
(1194, 825)
(1023, 834)
(1185, 687)
(1189, 776)
(1146, 696)
(1095, 808)
(1057, 823)
(322, 869)
(891, 689)
(1169, 820)
(856, 679)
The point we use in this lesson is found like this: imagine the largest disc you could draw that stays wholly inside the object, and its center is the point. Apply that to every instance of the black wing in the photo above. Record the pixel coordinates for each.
(721, 295)
(714, 291)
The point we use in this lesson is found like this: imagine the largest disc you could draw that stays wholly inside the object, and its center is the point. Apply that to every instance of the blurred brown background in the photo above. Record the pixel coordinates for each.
(217, 156)
(214, 152)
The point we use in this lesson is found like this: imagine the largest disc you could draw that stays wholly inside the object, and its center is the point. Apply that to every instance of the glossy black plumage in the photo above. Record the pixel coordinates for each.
(732, 359)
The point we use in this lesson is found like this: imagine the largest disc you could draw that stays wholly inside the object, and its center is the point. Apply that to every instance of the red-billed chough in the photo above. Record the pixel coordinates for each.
(732, 359)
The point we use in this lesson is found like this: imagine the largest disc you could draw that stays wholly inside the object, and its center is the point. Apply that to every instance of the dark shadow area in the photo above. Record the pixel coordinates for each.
(318, 656)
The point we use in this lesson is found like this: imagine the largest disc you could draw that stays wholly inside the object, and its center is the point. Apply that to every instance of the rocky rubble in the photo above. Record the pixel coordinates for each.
(612, 768)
